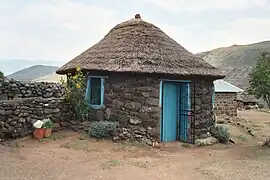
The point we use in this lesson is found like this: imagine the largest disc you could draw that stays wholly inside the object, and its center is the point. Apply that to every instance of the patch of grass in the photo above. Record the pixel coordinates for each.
(79, 145)
(242, 138)
(110, 164)
(186, 145)
(131, 146)
(55, 136)
(140, 164)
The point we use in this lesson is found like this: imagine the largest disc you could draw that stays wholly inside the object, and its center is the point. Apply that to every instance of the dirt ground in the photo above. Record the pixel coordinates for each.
(68, 155)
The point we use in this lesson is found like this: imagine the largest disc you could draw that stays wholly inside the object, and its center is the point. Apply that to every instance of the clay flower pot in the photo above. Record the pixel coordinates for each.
(39, 133)
(47, 132)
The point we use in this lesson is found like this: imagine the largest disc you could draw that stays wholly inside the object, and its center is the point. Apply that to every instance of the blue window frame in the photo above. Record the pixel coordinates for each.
(95, 92)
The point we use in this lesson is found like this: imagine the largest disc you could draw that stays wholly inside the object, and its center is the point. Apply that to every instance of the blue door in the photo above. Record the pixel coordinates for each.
(169, 112)
(184, 110)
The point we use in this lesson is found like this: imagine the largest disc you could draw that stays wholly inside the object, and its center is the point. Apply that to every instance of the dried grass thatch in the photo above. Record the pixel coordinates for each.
(138, 46)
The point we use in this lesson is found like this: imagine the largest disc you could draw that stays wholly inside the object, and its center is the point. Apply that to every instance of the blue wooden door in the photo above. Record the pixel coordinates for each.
(170, 112)
(184, 110)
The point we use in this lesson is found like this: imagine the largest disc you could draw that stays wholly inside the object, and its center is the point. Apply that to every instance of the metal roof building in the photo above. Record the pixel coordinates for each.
(223, 86)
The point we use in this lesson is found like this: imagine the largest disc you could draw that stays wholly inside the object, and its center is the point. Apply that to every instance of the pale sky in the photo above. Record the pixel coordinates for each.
(61, 29)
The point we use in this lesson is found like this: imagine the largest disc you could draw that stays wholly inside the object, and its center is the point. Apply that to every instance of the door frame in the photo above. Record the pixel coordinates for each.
(161, 85)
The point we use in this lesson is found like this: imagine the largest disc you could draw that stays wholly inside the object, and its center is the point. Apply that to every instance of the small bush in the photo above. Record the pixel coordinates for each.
(221, 133)
(261, 106)
(102, 129)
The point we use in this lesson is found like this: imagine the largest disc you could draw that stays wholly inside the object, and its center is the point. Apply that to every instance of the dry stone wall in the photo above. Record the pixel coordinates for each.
(18, 115)
(12, 89)
(134, 102)
(201, 105)
(226, 104)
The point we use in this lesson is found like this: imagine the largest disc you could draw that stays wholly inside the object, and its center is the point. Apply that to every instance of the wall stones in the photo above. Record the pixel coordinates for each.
(18, 115)
(226, 104)
(11, 89)
(133, 100)
(201, 100)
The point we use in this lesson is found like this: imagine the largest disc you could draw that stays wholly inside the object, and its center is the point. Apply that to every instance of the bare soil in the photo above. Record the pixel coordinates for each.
(68, 155)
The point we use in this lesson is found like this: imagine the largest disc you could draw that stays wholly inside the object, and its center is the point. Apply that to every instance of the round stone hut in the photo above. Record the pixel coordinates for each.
(144, 79)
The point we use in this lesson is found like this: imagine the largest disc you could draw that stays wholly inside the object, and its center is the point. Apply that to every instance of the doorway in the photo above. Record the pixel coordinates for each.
(176, 116)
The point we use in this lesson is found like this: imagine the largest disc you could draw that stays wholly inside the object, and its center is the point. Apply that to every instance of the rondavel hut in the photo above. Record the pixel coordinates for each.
(141, 77)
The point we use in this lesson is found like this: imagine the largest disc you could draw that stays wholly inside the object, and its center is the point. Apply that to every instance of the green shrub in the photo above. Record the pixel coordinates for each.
(1, 75)
(221, 133)
(261, 106)
(102, 129)
(48, 123)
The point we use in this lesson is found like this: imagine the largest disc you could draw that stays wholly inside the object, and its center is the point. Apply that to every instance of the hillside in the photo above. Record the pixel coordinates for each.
(53, 77)
(236, 61)
(9, 66)
(33, 72)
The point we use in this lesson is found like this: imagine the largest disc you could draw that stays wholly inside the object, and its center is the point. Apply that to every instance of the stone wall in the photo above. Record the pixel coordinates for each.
(18, 115)
(225, 104)
(134, 102)
(203, 109)
(11, 89)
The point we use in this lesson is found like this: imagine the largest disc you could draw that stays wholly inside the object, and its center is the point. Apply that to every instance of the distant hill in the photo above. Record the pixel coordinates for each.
(50, 78)
(9, 66)
(33, 72)
(236, 61)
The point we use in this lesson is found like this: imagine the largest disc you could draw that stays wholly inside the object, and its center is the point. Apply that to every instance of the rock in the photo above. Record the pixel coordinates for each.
(2, 112)
(13, 123)
(231, 141)
(133, 105)
(116, 139)
(29, 92)
(250, 132)
(22, 120)
(135, 120)
(56, 127)
(206, 142)
(147, 141)
(139, 132)
(152, 101)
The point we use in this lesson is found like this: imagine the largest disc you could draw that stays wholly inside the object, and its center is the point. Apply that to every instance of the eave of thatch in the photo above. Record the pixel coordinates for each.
(140, 47)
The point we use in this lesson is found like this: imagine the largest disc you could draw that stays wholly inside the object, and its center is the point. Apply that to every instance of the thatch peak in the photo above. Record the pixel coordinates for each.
(140, 47)
(137, 16)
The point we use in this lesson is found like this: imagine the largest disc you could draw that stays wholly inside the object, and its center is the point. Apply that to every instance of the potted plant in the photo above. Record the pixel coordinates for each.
(39, 130)
(48, 127)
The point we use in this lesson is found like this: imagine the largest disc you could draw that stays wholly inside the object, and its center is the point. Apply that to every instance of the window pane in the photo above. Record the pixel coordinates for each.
(95, 96)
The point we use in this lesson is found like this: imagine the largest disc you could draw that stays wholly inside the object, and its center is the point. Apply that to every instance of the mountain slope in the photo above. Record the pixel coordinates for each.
(236, 61)
(53, 77)
(9, 66)
(33, 72)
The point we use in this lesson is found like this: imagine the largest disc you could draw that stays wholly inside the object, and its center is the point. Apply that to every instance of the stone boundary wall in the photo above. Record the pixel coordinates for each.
(225, 104)
(18, 115)
(12, 89)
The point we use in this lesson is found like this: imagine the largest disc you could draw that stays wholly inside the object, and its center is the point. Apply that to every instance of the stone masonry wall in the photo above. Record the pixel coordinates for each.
(134, 102)
(226, 104)
(11, 89)
(203, 110)
(18, 115)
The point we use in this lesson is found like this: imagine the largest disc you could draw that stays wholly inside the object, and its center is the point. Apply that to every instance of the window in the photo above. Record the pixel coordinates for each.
(95, 91)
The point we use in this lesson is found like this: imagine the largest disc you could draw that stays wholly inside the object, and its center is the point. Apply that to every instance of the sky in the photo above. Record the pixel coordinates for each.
(59, 30)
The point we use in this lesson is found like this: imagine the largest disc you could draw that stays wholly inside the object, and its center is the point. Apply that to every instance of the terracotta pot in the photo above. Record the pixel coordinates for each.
(48, 132)
(38, 133)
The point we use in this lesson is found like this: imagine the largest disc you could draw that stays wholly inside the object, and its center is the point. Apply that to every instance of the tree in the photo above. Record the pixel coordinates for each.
(1, 75)
(259, 78)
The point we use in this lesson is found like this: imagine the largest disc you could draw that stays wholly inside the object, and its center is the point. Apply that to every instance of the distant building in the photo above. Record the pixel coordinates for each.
(225, 102)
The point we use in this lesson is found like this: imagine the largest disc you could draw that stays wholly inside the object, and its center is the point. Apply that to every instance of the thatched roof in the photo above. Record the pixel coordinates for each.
(138, 46)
